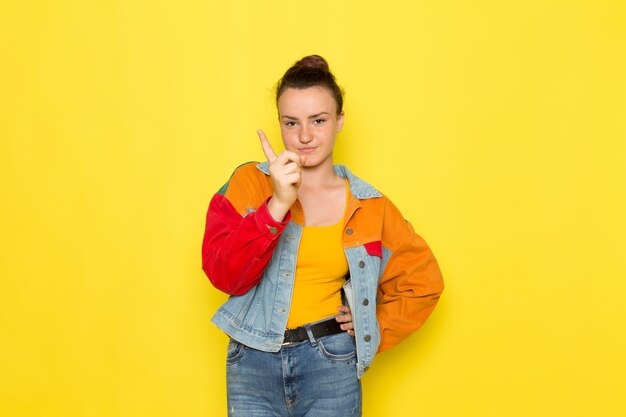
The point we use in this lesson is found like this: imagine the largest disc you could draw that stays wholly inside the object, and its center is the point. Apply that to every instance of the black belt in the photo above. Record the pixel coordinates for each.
(324, 328)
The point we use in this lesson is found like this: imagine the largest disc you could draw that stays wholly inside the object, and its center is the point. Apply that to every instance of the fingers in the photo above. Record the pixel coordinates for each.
(270, 154)
(346, 320)
(343, 309)
(267, 147)
(348, 327)
(287, 157)
(291, 167)
(286, 166)
(285, 171)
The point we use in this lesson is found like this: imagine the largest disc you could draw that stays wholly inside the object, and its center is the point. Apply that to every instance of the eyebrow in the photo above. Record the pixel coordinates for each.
(310, 117)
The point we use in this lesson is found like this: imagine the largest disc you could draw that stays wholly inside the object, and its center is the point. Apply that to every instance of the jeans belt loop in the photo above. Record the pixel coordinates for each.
(309, 333)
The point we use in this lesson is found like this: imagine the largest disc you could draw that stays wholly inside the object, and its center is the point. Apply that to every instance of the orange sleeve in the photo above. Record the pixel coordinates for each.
(411, 283)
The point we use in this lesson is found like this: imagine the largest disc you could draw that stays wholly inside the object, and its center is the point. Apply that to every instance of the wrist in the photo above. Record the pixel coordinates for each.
(278, 209)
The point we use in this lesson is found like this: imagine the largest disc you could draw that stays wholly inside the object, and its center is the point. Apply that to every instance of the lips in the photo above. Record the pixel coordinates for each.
(306, 150)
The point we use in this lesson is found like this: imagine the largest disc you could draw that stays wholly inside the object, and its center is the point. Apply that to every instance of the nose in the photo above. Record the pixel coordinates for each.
(305, 135)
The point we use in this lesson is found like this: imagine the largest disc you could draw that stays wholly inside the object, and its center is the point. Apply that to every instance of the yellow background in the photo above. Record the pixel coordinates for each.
(498, 128)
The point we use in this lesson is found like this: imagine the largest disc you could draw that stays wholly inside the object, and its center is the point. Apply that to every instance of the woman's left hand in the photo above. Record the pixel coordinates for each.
(345, 319)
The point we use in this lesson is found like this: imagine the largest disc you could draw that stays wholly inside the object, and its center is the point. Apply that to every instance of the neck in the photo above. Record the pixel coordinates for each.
(321, 175)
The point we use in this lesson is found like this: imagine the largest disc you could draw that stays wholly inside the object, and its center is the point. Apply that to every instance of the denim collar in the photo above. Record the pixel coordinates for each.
(358, 188)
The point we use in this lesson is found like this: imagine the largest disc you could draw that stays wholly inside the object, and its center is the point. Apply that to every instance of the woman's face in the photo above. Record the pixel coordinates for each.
(309, 123)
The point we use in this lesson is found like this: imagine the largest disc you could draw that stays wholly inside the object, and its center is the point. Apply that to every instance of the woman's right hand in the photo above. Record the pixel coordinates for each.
(286, 174)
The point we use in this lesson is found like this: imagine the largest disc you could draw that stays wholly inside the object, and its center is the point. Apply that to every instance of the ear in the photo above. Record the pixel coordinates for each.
(340, 122)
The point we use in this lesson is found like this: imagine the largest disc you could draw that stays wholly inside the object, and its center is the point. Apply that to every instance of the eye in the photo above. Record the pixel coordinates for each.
(290, 123)
(319, 121)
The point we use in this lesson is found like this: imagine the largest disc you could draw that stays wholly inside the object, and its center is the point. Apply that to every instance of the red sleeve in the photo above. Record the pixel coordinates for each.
(236, 249)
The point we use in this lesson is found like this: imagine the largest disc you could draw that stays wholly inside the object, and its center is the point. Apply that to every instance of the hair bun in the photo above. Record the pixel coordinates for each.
(313, 61)
(311, 71)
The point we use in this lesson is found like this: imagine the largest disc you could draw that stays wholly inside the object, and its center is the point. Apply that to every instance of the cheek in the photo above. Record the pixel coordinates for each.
(284, 132)
(330, 133)
(288, 137)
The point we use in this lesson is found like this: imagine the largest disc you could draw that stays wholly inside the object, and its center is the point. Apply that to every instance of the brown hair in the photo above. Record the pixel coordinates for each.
(311, 71)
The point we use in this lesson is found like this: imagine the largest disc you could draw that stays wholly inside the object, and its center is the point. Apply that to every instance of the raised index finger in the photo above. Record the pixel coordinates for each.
(267, 147)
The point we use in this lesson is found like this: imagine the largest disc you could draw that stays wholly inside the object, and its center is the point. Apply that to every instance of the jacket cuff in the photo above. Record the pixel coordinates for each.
(266, 223)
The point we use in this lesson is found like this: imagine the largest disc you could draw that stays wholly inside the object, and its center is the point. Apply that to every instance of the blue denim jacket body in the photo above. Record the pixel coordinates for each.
(258, 318)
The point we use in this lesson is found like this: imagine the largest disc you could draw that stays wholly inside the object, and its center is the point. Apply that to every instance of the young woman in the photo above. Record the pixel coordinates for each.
(283, 237)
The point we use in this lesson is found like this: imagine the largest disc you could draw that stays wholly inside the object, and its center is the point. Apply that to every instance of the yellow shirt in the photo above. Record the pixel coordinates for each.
(321, 271)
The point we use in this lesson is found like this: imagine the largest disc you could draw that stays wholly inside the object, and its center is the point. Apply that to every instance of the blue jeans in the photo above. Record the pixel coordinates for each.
(314, 378)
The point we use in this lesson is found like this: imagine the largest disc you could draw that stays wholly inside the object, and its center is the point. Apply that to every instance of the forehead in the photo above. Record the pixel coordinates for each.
(306, 101)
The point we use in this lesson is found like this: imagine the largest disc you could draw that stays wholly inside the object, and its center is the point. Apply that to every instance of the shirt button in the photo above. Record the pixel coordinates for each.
(366, 302)
(273, 230)
(349, 231)
(367, 338)
(361, 264)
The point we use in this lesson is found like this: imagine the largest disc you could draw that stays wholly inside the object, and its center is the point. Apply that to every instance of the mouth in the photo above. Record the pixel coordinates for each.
(306, 150)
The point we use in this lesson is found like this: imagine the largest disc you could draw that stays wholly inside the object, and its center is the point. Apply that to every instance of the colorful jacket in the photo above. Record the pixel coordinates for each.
(247, 254)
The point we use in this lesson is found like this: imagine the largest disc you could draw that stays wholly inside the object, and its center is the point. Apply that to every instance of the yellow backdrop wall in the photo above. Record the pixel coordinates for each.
(498, 128)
